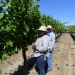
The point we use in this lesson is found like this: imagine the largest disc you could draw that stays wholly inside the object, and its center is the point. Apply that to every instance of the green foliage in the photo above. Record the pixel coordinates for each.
(19, 22)
(72, 29)
(18, 25)
(0, 72)
(4, 56)
(56, 24)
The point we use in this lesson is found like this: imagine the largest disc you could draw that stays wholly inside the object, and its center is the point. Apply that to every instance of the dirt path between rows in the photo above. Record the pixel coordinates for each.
(63, 60)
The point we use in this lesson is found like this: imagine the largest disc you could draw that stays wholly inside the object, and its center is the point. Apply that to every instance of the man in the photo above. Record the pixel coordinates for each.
(41, 48)
(51, 46)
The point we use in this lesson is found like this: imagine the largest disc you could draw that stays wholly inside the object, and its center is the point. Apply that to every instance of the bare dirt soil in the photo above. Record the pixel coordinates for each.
(63, 60)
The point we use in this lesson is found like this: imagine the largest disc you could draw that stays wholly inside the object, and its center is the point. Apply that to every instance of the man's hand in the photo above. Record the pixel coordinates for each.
(51, 50)
(33, 47)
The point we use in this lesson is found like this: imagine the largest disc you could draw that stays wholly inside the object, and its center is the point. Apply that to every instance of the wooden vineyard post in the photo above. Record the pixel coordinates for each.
(25, 61)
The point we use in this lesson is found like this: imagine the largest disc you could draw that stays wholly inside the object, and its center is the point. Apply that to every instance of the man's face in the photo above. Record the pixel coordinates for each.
(41, 32)
(49, 30)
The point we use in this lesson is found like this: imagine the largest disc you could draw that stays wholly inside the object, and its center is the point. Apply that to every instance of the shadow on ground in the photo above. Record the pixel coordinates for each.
(30, 64)
(73, 36)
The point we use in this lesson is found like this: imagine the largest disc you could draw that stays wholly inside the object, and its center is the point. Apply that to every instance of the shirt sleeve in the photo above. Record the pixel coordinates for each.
(52, 41)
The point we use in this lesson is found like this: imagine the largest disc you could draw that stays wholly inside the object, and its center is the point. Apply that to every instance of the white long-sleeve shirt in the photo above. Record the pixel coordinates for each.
(52, 40)
(41, 44)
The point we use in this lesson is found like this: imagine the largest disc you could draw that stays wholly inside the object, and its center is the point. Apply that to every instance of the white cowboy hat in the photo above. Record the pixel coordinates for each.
(49, 27)
(42, 28)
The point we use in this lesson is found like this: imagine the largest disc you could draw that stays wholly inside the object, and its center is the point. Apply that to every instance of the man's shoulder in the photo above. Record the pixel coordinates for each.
(52, 33)
(46, 36)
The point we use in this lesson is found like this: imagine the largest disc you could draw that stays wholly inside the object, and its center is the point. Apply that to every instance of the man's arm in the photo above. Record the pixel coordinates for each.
(52, 41)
